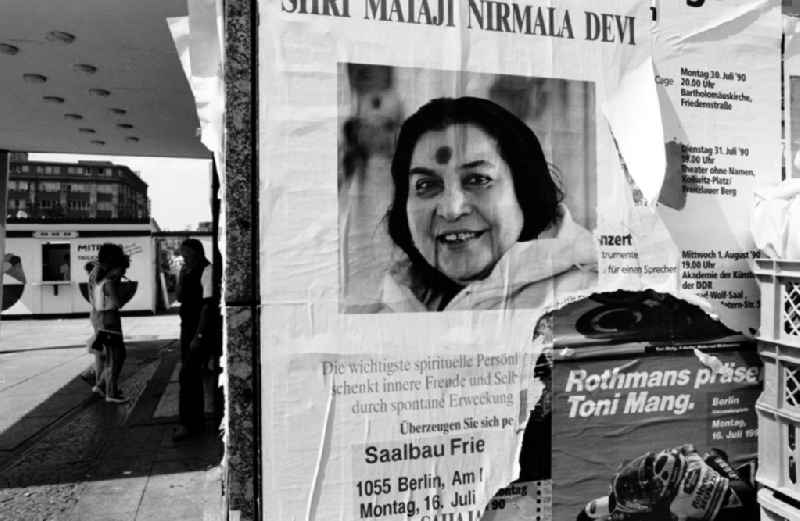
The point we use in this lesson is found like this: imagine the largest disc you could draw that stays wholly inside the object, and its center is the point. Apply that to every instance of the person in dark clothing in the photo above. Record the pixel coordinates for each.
(196, 294)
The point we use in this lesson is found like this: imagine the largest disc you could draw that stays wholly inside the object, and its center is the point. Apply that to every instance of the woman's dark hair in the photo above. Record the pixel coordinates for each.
(194, 245)
(112, 256)
(537, 194)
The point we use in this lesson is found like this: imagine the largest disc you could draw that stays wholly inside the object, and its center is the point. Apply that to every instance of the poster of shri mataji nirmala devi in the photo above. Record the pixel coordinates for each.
(463, 191)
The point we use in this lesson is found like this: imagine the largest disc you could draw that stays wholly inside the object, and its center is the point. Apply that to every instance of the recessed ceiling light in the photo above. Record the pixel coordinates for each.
(103, 93)
(34, 78)
(118, 111)
(124, 125)
(74, 117)
(132, 139)
(53, 99)
(7, 48)
(85, 67)
(85, 130)
(97, 142)
(60, 37)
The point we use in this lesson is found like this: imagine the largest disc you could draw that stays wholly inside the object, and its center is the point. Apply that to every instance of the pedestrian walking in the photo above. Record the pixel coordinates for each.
(112, 262)
(195, 291)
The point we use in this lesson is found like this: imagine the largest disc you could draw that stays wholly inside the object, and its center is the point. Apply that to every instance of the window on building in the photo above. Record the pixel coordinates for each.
(78, 205)
(24, 168)
(49, 186)
(56, 262)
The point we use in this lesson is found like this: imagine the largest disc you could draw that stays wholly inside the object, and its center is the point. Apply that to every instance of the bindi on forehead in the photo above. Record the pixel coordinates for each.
(444, 155)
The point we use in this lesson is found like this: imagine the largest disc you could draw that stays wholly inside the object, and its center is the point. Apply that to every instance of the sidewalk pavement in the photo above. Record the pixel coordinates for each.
(67, 456)
(29, 334)
(40, 357)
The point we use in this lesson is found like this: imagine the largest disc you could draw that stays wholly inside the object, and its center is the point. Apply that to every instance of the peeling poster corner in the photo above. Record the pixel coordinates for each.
(490, 226)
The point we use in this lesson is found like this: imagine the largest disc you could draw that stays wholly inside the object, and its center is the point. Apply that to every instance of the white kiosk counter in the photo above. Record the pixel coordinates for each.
(54, 258)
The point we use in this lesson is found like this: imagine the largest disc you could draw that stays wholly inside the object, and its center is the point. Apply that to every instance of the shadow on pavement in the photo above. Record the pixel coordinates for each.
(94, 440)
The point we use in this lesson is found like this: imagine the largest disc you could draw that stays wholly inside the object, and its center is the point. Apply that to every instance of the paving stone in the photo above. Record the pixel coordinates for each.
(101, 516)
(41, 502)
(112, 502)
(172, 510)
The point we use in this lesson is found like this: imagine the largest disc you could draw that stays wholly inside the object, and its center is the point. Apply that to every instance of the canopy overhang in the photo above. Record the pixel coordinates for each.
(95, 77)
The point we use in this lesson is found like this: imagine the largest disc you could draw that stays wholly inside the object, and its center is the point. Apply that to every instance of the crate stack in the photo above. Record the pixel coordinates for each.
(779, 404)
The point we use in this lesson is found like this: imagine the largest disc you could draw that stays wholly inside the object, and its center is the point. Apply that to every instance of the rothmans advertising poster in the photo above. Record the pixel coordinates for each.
(653, 412)
(439, 175)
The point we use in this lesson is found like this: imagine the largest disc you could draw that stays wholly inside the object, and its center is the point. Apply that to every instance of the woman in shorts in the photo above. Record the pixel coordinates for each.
(112, 262)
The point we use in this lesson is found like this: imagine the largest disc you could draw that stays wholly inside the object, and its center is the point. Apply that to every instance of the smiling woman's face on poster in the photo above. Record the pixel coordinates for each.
(471, 207)
(463, 214)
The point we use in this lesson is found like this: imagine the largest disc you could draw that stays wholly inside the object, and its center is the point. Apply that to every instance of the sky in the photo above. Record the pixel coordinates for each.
(179, 189)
